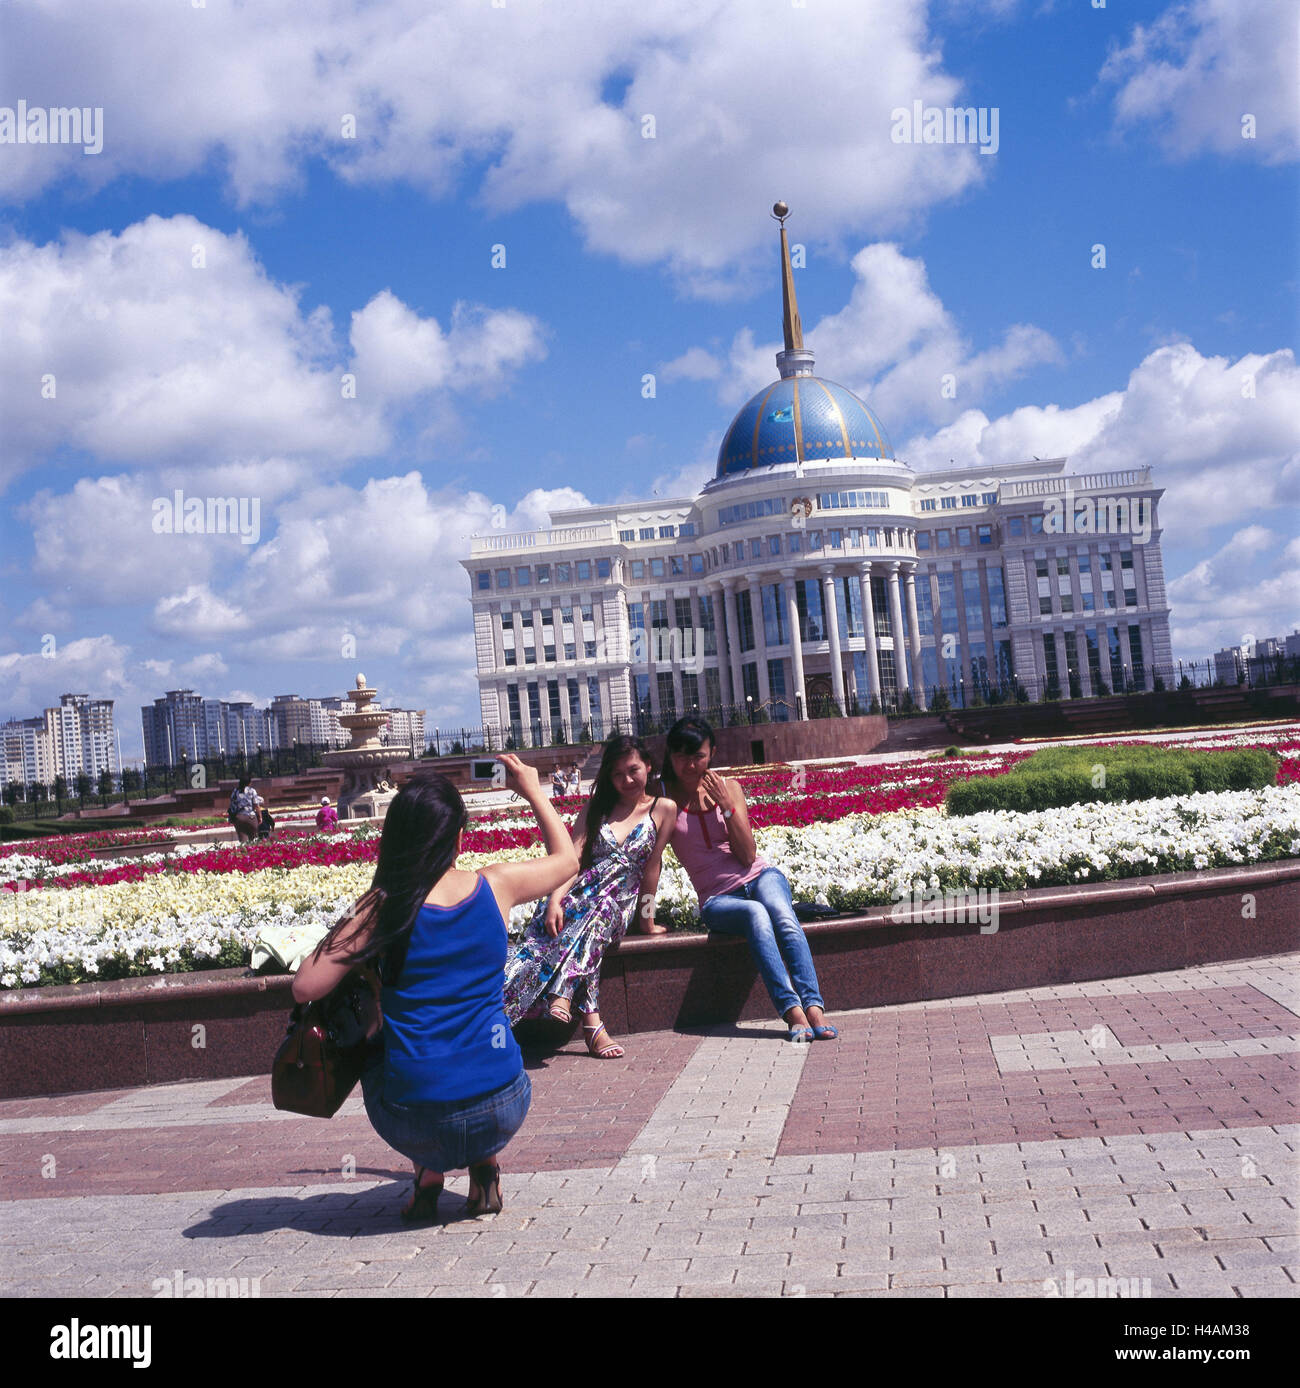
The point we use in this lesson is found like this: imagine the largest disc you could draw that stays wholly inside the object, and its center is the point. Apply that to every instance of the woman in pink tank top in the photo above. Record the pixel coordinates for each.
(740, 892)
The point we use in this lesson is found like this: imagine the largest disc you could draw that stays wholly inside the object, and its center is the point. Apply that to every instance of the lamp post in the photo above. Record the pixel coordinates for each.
(749, 700)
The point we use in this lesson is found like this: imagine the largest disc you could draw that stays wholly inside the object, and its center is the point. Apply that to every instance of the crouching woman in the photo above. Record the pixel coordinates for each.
(451, 1090)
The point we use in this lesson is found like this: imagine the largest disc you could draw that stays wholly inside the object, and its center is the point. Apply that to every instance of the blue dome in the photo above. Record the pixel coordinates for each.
(804, 418)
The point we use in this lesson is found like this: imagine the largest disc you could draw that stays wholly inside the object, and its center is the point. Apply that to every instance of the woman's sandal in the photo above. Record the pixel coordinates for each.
(487, 1177)
(610, 1051)
(825, 1032)
(800, 1034)
(424, 1203)
(558, 1010)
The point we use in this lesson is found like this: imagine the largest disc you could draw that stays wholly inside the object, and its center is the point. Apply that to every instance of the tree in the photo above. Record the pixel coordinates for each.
(105, 786)
(12, 793)
(874, 707)
(130, 779)
(83, 785)
(940, 702)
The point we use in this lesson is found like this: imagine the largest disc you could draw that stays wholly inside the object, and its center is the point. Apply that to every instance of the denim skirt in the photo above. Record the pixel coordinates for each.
(452, 1135)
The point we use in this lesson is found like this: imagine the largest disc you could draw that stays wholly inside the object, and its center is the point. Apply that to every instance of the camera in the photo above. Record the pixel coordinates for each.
(484, 769)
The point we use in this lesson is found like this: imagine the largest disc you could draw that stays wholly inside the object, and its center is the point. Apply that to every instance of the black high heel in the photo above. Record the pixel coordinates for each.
(487, 1177)
(423, 1208)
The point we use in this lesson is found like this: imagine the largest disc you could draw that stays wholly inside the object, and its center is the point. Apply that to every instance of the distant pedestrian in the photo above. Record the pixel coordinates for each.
(559, 786)
(243, 810)
(265, 824)
(327, 817)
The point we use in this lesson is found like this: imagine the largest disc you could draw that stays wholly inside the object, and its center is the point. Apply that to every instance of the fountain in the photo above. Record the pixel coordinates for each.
(367, 781)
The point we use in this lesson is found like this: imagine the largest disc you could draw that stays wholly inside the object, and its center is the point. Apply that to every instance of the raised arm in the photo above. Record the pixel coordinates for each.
(512, 883)
(729, 796)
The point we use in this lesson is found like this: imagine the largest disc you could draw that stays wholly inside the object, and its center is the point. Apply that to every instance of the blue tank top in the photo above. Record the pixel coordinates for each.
(446, 1036)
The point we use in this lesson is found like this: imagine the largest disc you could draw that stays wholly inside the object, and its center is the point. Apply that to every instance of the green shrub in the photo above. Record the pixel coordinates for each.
(1076, 775)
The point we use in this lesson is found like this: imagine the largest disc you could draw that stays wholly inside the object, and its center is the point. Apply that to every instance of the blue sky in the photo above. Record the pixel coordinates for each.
(197, 290)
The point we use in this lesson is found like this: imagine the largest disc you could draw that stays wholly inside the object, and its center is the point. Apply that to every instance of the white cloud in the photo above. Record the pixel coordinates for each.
(894, 344)
(1222, 436)
(511, 98)
(695, 364)
(1195, 74)
(97, 665)
(197, 613)
(1243, 589)
(157, 362)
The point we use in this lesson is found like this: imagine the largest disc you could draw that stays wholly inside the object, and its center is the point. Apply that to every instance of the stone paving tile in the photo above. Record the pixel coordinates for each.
(694, 1179)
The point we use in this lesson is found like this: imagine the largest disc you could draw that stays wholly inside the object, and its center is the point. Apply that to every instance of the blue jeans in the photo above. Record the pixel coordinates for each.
(763, 913)
(453, 1135)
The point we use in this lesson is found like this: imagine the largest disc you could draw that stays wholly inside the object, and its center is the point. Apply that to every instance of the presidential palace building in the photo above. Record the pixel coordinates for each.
(817, 569)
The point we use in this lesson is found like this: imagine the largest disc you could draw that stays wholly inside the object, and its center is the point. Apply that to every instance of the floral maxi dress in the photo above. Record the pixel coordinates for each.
(597, 912)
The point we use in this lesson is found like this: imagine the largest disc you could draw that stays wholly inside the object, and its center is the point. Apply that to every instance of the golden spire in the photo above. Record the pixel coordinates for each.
(789, 304)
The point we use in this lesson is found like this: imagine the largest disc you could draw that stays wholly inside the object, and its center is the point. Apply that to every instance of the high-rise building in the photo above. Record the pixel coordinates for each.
(76, 739)
(183, 726)
(817, 567)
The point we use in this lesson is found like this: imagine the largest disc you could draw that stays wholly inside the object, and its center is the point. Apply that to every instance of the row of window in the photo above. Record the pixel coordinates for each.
(943, 538)
(666, 532)
(949, 503)
(875, 501)
(554, 706)
(578, 571)
(1106, 663)
(835, 538)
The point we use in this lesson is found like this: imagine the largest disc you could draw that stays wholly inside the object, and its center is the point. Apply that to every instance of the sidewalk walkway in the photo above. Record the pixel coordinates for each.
(1140, 1130)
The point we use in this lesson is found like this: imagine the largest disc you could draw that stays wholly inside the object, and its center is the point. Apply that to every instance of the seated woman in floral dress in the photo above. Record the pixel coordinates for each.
(620, 847)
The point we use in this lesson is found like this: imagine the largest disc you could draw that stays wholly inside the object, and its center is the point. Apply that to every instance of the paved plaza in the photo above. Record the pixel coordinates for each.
(1131, 1137)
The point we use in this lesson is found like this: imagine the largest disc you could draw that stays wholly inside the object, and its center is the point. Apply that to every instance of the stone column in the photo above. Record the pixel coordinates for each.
(733, 643)
(584, 699)
(1085, 670)
(918, 680)
(714, 591)
(676, 656)
(760, 635)
(796, 642)
(869, 627)
(831, 610)
(896, 622)
(1148, 652)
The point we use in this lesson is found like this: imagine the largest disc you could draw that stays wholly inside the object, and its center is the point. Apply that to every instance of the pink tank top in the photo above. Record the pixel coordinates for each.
(703, 849)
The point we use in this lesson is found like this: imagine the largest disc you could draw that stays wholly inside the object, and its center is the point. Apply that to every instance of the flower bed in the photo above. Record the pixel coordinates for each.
(197, 918)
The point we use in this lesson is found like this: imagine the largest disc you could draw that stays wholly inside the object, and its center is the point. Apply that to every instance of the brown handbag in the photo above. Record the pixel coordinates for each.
(327, 1046)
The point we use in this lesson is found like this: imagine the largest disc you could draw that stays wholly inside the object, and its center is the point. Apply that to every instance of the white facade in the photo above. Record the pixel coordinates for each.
(818, 569)
(967, 587)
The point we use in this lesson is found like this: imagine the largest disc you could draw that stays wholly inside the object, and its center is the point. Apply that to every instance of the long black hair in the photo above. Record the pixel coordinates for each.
(417, 847)
(603, 795)
(686, 735)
